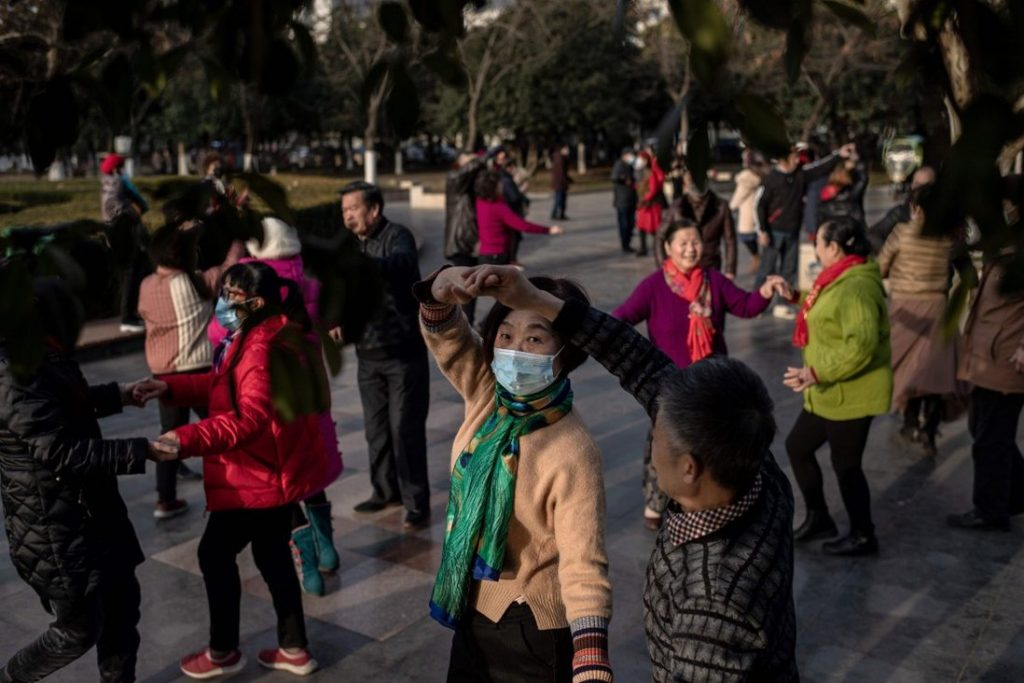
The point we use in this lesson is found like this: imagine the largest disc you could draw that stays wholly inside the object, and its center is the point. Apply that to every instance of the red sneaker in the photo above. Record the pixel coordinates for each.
(300, 664)
(202, 665)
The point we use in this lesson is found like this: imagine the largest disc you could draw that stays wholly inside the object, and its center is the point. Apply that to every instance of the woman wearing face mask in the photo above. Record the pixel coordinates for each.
(256, 464)
(846, 379)
(523, 579)
(652, 197)
(684, 305)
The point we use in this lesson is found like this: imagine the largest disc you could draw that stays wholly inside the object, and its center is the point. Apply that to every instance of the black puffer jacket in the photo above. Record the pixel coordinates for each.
(64, 516)
(395, 330)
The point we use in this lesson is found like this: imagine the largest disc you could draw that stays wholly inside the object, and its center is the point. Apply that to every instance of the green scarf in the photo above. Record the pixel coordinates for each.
(482, 494)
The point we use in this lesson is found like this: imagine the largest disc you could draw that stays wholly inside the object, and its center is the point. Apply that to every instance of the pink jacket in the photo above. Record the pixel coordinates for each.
(494, 220)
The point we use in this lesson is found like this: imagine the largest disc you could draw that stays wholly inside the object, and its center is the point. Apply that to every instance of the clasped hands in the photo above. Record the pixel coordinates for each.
(776, 284)
(460, 285)
(167, 446)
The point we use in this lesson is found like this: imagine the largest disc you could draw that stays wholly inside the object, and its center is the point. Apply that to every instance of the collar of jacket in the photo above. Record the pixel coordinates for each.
(381, 224)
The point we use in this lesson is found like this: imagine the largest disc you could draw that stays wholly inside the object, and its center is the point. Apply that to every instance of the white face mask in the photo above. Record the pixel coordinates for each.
(522, 373)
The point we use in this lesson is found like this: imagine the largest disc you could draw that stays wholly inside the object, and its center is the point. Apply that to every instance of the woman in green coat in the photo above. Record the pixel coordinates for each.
(846, 379)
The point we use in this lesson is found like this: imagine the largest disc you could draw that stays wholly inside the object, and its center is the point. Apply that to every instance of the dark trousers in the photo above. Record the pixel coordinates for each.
(107, 618)
(924, 413)
(172, 417)
(992, 419)
(495, 259)
(139, 267)
(512, 651)
(846, 439)
(466, 261)
(784, 250)
(558, 208)
(227, 533)
(750, 242)
(626, 216)
(396, 394)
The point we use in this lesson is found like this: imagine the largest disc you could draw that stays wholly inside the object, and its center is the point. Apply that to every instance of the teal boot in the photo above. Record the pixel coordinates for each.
(323, 532)
(304, 553)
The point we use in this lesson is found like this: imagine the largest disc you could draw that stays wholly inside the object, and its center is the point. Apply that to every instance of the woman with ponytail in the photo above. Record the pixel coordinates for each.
(523, 579)
(842, 330)
(257, 463)
(684, 306)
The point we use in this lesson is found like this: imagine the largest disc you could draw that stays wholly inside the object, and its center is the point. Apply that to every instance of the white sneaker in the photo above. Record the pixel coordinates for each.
(132, 328)
(783, 311)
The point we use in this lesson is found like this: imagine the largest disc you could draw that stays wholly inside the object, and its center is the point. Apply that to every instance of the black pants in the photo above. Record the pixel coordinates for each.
(172, 417)
(139, 267)
(847, 439)
(558, 207)
(466, 261)
(495, 259)
(626, 216)
(992, 419)
(924, 413)
(396, 394)
(227, 533)
(107, 618)
(512, 651)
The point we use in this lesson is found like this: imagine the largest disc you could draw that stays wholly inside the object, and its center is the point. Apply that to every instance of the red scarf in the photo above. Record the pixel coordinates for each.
(824, 279)
(693, 287)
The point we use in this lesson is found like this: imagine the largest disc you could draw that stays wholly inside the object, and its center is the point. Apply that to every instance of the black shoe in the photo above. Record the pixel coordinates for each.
(628, 250)
(375, 505)
(641, 252)
(186, 473)
(852, 545)
(974, 520)
(414, 521)
(816, 526)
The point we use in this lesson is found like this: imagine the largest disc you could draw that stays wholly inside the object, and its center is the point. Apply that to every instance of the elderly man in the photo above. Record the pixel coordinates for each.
(394, 381)
(718, 598)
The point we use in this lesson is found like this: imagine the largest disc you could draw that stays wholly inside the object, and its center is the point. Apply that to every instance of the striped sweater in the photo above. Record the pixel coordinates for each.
(718, 608)
(176, 316)
(915, 263)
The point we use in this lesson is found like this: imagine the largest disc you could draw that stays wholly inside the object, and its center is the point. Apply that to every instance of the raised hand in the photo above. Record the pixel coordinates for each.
(776, 284)
(449, 287)
(556, 230)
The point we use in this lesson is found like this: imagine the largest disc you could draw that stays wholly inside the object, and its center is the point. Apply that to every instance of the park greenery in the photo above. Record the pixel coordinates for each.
(531, 72)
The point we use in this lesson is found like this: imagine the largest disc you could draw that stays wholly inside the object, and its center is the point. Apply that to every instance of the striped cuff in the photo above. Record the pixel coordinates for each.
(438, 317)
(590, 650)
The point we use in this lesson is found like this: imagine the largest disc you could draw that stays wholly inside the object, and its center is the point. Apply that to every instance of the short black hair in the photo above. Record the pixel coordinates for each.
(571, 356)
(675, 225)
(372, 196)
(921, 196)
(486, 185)
(849, 233)
(719, 411)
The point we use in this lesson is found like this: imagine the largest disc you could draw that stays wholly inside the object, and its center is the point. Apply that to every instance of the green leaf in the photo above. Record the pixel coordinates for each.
(20, 326)
(271, 193)
(704, 25)
(392, 18)
(446, 67)
(762, 127)
(698, 154)
(798, 44)
(852, 16)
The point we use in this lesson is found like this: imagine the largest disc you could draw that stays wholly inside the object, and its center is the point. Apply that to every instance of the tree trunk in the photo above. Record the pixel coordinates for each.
(249, 123)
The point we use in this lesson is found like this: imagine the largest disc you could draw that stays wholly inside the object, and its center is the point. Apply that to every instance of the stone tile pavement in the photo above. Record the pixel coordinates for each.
(935, 605)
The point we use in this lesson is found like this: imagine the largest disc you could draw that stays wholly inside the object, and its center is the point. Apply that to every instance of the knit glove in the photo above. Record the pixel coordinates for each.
(590, 644)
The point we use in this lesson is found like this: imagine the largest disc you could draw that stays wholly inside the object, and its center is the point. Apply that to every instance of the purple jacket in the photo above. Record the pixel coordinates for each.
(668, 315)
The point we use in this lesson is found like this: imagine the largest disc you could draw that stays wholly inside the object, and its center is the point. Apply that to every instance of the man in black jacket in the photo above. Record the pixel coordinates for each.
(718, 598)
(393, 375)
(780, 211)
(68, 528)
(879, 232)
(624, 197)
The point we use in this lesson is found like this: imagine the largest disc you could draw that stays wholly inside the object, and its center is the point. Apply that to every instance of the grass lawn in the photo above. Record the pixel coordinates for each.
(28, 201)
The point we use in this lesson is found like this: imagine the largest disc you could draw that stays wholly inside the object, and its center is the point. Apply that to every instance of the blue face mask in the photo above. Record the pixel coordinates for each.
(226, 314)
(522, 373)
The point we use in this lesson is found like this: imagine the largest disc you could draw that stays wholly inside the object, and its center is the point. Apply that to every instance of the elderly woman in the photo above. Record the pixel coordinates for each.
(523, 579)
(684, 306)
(846, 379)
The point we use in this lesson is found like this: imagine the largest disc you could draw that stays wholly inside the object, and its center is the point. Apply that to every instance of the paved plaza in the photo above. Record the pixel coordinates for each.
(936, 604)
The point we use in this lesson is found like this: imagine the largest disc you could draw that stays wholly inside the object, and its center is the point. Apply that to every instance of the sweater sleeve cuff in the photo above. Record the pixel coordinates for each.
(438, 317)
(421, 290)
(590, 650)
(570, 318)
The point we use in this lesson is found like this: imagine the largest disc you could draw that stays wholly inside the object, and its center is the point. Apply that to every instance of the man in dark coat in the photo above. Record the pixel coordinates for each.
(624, 197)
(560, 181)
(67, 526)
(879, 232)
(712, 215)
(460, 231)
(393, 374)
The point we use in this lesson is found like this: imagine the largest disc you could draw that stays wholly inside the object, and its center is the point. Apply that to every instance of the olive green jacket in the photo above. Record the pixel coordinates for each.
(848, 347)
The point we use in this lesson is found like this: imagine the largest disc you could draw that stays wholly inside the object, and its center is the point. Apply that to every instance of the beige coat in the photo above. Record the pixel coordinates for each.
(994, 332)
(744, 200)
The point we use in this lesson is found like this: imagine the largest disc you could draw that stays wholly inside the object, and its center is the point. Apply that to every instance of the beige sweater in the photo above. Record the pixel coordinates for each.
(555, 556)
(916, 264)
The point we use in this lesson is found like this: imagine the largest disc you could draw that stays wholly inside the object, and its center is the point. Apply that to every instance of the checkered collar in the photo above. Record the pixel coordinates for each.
(683, 527)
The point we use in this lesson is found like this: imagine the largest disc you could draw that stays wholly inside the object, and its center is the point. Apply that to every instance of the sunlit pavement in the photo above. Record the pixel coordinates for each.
(936, 605)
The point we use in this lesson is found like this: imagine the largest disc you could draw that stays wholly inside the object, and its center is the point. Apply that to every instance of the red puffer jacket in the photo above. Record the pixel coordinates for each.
(252, 458)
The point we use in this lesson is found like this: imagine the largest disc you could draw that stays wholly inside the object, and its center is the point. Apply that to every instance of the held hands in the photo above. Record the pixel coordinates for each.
(507, 284)
(1018, 359)
(167, 447)
(450, 286)
(776, 284)
(146, 390)
(799, 379)
(556, 230)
